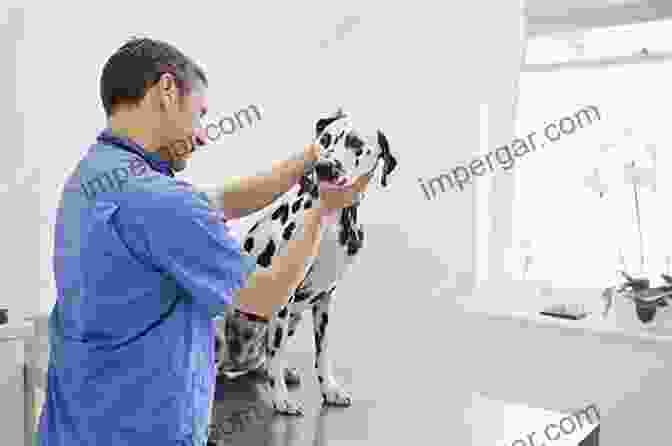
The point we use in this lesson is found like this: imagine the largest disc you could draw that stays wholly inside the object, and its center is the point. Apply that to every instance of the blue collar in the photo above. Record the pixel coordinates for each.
(152, 158)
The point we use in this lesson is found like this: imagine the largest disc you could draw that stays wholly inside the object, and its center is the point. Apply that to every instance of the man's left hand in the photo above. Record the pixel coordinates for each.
(311, 153)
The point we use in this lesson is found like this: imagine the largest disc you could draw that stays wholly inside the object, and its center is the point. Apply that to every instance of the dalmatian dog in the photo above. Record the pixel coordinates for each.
(246, 344)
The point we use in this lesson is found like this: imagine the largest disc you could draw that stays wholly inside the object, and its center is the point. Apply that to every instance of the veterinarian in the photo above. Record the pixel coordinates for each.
(143, 263)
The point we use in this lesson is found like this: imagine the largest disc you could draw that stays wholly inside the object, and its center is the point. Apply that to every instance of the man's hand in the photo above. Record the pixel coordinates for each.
(333, 198)
(311, 153)
(241, 196)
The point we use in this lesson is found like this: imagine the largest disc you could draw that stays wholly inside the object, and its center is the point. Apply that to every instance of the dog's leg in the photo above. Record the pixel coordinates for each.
(277, 337)
(292, 376)
(332, 393)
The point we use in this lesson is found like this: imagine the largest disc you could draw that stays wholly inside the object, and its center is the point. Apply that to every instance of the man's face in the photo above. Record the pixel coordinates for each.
(182, 123)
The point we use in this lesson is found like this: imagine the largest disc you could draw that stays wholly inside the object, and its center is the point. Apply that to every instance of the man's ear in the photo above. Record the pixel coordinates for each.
(167, 91)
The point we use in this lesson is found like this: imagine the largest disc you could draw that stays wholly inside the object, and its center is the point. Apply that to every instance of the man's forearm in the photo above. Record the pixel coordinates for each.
(265, 291)
(241, 196)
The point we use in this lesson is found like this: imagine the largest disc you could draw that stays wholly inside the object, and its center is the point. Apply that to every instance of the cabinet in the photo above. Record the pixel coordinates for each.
(15, 419)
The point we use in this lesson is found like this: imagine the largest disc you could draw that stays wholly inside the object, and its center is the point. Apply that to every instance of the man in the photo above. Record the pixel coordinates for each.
(143, 263)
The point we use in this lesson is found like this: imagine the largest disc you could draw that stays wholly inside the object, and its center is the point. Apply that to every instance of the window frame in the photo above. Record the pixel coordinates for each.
(492, 198)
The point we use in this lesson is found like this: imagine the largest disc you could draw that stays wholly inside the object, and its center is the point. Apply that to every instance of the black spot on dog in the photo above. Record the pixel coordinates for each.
(289, 230)
(235, 347)
(249, 244)
(317, 298)
(283, 313)
(256, 225)
(271, 381)
(338, 138)
(290, 333)
(322, 123)
(325, 141)
(265, 257)
(304, 185)
(320, 329)
(324, 322)
(342, 237)
(297, 205)
(301, 295)
(352, 141)
(320, 379)
(308, 204)
(282, 213)
(278, 337)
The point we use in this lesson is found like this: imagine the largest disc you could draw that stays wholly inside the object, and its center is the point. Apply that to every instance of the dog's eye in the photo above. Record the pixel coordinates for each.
(353, 142)
(248, 335)
(325, 140)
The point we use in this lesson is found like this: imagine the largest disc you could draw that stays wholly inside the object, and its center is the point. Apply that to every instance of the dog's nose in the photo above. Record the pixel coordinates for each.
(326, 170)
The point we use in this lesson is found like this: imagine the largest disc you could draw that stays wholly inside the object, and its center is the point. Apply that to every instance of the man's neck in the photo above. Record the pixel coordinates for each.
(129, 126)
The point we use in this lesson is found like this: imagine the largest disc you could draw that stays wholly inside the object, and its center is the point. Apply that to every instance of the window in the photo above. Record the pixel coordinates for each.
(578, 239)
(600, 43)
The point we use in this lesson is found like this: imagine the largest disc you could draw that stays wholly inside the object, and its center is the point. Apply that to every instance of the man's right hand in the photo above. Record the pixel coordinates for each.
(333, 198)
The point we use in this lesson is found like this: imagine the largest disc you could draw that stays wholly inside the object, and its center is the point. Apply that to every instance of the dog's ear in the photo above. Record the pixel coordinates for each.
(322, 124)
(389, 161)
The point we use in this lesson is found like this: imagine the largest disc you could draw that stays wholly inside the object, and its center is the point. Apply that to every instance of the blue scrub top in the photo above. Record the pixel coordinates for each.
(143, 263)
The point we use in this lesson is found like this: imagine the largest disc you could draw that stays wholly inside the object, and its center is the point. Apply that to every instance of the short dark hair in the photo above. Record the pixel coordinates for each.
(138, 65)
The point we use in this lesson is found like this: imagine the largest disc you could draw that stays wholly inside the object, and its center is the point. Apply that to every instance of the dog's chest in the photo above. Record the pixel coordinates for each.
(268, 239)
(270, 235)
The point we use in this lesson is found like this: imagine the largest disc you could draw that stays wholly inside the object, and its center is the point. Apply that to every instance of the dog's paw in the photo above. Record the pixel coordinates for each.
(285, 406)
(292, 377)
(335, 396)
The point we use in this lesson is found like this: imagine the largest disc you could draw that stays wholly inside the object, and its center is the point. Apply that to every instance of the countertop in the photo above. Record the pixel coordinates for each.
(523, 306)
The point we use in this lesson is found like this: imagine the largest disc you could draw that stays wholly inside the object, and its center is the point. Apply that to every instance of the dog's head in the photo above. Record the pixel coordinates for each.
(346, 154)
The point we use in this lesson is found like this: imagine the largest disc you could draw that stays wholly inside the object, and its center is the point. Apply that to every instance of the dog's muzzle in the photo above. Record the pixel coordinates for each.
(329, 170)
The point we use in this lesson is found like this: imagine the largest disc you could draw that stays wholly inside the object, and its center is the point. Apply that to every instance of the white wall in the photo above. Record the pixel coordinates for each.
(19, 196)
(417, 70)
